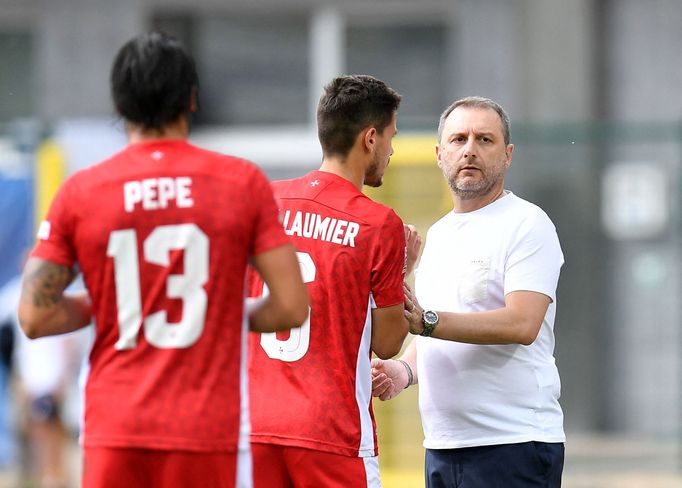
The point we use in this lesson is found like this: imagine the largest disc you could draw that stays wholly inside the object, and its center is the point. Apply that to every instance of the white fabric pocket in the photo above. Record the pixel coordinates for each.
(475, 280)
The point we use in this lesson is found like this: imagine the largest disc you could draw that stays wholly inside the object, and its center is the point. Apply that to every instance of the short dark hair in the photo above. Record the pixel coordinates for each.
(152, 80)
(350, 104)
(478, 102)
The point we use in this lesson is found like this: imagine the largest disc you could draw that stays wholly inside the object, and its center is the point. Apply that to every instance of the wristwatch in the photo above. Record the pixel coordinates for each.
(429, 321)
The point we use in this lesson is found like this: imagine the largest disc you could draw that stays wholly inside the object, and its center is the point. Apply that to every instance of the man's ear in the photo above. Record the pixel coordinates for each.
(508, 153)
(438, 150)
(370, 138)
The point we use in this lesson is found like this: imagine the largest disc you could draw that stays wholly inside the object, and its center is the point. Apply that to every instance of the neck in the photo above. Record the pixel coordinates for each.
(177, 130)
(348, 168)
(464, 205)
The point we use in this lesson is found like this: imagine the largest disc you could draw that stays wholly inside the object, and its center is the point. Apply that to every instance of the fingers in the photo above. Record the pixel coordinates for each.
(409, 230)
(411, 233)
(381, 384)
(412, 245)
(409, 297)
(409, 304)
(413, 240)
(413, 311)
(387, 395)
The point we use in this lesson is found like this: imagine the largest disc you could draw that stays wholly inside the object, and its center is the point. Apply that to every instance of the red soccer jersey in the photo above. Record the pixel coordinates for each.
(311, 387)
(162, 232)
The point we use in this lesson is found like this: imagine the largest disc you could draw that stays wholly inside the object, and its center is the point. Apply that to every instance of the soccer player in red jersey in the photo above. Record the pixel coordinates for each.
(311, 412)
(162, 232)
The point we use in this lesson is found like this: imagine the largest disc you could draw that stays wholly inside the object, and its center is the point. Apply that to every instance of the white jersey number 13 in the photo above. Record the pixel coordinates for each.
(188, 286)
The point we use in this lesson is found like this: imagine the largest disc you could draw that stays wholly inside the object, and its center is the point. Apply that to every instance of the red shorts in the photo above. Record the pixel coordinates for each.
(105, 467)
(284, 467)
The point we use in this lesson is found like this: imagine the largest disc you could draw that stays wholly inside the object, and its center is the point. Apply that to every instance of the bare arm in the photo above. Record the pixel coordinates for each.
(518, 322)
(44, 308)
(389, 329)
(286, 306)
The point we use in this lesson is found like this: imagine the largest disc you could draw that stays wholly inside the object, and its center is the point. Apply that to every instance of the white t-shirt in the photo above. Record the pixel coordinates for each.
(477, 395)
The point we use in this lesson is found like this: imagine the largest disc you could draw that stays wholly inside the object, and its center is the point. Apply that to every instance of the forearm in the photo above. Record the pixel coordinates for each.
(517, 322)
(44, 308)
(389, 329)
(500, 326)
(268, 315)
(67, 314)
(286, 304)
(410, 357)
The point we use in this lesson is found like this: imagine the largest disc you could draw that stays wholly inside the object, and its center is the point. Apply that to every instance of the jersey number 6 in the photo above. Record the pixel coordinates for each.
(295, 347)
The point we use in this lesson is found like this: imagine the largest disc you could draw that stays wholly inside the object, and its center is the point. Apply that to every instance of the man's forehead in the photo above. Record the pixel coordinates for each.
(479, 119)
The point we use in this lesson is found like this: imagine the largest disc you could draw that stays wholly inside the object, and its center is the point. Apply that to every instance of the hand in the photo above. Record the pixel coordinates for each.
(413, 311)
(413, 243)
(389, 378)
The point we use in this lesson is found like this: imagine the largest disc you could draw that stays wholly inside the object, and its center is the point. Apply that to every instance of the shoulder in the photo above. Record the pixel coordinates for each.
(80, 180)
(286, 187)
(237, 166)
(530, 226)
(529, 214)
(380, 215)
(383, 211)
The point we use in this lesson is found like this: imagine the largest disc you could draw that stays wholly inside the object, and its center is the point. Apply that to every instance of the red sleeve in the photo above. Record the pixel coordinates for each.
(269, 232)
(389, 263)
(55, 234)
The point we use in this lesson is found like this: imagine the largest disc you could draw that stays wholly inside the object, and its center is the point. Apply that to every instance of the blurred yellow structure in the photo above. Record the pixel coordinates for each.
(50, 171)
(413, 167)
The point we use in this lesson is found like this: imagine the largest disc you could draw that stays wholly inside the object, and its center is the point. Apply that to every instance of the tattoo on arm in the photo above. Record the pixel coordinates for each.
(44, 283)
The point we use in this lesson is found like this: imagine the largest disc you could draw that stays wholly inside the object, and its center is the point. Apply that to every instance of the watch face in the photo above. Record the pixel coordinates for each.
(430, 317)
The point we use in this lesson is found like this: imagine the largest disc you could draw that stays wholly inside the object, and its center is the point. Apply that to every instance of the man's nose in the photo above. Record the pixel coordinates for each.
(470, 148)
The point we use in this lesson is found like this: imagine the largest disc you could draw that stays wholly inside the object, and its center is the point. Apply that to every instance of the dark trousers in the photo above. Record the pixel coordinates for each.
(524, 465)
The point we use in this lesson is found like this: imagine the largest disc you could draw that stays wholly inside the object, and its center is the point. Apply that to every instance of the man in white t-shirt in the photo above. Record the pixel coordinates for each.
(486, 290)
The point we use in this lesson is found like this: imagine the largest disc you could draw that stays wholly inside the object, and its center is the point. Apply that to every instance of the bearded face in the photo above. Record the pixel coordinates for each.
(472, 153)
(473, 179)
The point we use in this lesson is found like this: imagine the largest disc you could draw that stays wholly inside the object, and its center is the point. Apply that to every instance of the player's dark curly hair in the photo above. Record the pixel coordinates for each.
(152, 79)
(349, 105)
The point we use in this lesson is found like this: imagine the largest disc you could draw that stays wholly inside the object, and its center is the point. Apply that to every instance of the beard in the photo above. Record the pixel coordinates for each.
(468, 190)
(372, 176)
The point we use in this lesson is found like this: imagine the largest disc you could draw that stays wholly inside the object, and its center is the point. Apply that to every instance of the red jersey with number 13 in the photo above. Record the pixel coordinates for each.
(162, 232)
(311, 387)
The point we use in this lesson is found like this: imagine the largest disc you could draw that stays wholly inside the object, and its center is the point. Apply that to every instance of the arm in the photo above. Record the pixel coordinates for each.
(389, 329)
(518, 322)
(390, 377)
(286, 306)
(44, 308)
